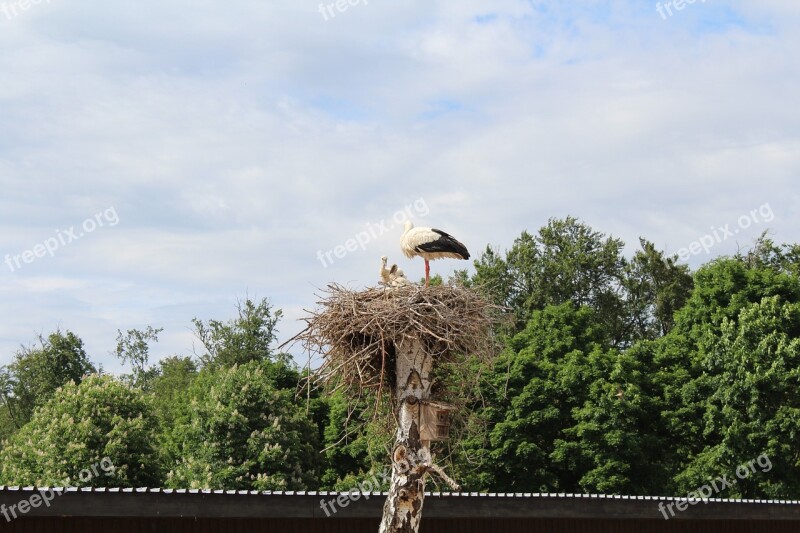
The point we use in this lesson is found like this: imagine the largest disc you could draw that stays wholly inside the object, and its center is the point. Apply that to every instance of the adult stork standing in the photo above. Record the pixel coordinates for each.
(430, 244)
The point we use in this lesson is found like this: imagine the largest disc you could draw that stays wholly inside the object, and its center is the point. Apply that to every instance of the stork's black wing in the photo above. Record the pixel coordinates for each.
(445, 243)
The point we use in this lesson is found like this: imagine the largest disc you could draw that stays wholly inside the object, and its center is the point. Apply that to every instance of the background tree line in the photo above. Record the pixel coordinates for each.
(619, 374)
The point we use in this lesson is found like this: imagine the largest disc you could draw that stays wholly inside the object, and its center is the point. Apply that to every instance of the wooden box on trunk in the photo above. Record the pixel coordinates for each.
(435, 421)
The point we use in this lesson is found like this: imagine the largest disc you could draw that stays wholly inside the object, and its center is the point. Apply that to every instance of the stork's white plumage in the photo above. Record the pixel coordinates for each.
(392, 276)
(430, 244)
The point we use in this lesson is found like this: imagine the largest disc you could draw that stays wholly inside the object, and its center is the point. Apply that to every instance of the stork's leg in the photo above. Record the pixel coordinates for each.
(427, 272)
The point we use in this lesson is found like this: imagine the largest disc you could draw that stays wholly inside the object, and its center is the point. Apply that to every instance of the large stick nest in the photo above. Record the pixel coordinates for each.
(356, 331)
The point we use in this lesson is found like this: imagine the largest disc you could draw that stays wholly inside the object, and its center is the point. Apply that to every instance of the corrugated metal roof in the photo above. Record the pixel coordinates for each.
(206, 503)
(518, 495)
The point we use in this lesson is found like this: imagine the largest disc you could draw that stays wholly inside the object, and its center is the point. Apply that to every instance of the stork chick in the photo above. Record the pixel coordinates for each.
(385, 272)
(392, 276)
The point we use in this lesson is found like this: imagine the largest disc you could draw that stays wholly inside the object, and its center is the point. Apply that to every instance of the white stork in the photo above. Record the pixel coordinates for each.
(430, 244)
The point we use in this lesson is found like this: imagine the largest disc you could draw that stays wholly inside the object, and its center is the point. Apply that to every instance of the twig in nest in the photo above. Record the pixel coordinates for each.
(351, 329)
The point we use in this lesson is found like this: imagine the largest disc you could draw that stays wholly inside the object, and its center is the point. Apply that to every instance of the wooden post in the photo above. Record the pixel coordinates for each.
(411, 457)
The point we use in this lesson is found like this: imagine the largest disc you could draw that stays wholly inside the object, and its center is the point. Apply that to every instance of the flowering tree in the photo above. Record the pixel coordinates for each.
(100, 419)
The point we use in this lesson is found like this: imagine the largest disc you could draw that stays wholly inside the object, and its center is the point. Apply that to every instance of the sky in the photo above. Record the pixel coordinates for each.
(162, 160)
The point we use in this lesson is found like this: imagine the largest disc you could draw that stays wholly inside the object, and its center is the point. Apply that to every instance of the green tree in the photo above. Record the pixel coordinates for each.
(765, 253)
(170, 387)
(36, 372)
(656, 287)
(723, 288)
(134, 348)
(80, 426)
(170, 396)
(246, 338)
(753, 408)
(617, 442)
(543, 375)
(354, 444)
(691, 378)
(241, 431)
(9, 419)
(566, 261)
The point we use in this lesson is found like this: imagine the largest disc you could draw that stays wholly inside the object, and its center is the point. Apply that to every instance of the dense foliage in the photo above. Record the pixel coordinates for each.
(618, 375)
(37, 371)
(242, 432)
(79, 427)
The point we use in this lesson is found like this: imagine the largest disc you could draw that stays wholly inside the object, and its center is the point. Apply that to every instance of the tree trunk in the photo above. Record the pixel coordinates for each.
(411, 455)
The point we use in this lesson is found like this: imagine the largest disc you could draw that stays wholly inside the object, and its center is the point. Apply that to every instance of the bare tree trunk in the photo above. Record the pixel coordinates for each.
(411, 457)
